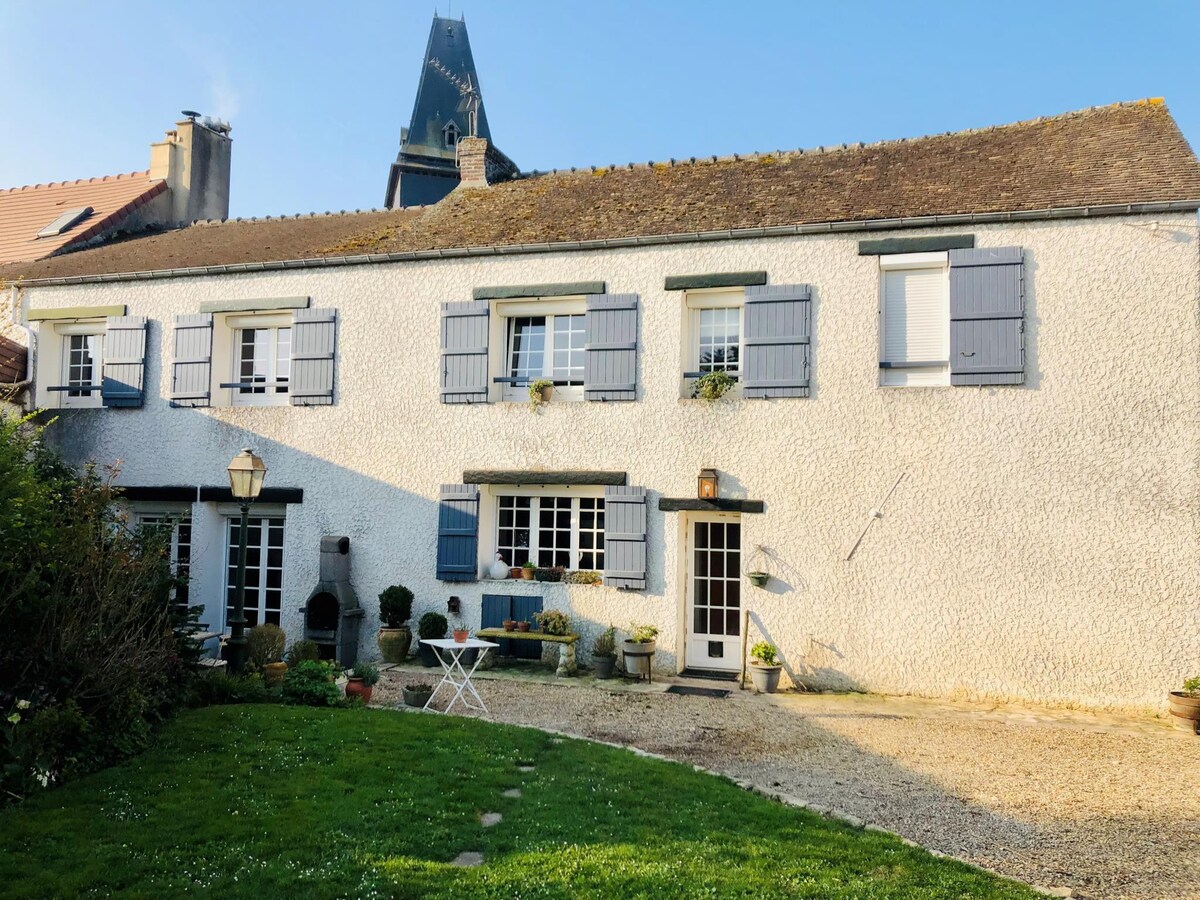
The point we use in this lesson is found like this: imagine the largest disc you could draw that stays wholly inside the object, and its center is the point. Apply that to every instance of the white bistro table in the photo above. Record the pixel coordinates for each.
(458, 678)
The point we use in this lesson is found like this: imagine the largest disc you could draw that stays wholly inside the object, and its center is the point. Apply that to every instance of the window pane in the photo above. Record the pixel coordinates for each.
(512, 533)
(527, 347)
(283, 358)
(264, 569)
(554, 531)
(719, 339)
(570, 335)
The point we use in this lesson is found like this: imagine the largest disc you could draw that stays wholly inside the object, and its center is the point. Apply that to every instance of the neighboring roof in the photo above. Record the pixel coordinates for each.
(12, 361)
(24, 211)
(1105, 159)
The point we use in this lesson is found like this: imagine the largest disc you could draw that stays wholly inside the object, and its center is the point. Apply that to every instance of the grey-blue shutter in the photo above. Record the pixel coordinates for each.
(314, 340)
(776, 340)
(458, 533)
(987, 316)
(191, 370)
(625, 537)
(611, 348)
(124, 361)
(465, 352)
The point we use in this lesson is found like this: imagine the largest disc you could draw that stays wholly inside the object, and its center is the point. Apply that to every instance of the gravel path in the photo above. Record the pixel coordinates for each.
(1108, 806)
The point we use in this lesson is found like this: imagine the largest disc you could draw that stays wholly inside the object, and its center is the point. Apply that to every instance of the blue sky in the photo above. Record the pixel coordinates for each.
(317, 92)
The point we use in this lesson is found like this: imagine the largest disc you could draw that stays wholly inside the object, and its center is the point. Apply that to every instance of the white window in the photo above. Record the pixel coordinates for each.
(82, 358)
(181, 549)
(264, 569)
(451, 134)
(551, 531)
(543, 339)
(713, 334)
(262, 360)
(915, 320)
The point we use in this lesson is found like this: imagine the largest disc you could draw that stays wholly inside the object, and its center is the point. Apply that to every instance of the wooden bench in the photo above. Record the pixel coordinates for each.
(566, 645)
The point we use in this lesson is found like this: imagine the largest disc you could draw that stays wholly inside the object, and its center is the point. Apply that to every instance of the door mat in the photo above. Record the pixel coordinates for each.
(714, 693)
(709, 675)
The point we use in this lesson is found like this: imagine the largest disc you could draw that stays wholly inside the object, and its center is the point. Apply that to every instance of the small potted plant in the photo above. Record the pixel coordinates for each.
(510, 624)
(758, 579)
(765, 667)
(712, 386)
(528, 569)
(461, 635)
(583, 576)
(417, 694)
(639, 648)
(604, 653)
(1185, 705)
(523, 627)
(361, 681)
(395, 637)
(431, 627)
(515, 572)
(540, 392)
(264, 652)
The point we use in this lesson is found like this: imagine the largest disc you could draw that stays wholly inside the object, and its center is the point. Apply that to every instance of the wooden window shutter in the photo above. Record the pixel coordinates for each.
(611, 348)
(465, 352)
(458, 533)
(625, 537)
(987, 316)
(314, 342)
(191, 369)
(777, 329)
(124, 361)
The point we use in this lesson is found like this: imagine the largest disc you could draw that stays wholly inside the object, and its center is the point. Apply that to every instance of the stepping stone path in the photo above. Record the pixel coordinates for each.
(525, 768)
(487, 820)
(468, 859)
(512, 792)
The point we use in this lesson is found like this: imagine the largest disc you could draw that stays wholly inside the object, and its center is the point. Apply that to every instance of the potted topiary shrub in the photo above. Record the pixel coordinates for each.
(540, 392)
(712, 386)
(395, 637)
(264, 652)
(432, 627)
(528, 569)
(604, 653)
(765, 667)
(361, 681)
(417, 694)
(639, 649)
(1185, 705)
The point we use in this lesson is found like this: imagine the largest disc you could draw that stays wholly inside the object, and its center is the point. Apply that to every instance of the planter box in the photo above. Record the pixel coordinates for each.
(1185, 710)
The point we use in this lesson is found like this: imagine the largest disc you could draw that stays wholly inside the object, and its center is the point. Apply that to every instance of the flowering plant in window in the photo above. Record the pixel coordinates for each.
(712, 386)
(540, 391)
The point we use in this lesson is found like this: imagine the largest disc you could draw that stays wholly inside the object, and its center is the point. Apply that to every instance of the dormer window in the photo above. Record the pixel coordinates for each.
(451, 134)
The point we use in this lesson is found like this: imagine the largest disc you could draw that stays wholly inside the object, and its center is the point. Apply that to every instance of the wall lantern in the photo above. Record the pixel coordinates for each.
(706, 484)
(246, 474)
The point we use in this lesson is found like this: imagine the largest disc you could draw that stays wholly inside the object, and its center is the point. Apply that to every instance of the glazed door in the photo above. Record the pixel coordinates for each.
(714, 593)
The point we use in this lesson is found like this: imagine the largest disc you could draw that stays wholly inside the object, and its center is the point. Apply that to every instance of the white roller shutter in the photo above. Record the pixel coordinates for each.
(916, 326)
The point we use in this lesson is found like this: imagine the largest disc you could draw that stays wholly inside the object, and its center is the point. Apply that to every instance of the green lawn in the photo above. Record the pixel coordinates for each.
(266, 801)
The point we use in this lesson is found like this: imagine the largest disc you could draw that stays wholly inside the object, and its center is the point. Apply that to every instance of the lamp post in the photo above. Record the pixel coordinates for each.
(246, 474)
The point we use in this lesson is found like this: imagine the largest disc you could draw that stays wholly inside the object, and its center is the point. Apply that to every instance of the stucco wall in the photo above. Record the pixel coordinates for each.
(1044, 544)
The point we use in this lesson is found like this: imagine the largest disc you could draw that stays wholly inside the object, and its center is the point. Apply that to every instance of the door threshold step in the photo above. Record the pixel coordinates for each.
(709, 675)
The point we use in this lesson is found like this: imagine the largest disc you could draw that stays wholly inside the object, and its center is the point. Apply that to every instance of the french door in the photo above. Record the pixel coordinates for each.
(714, 592)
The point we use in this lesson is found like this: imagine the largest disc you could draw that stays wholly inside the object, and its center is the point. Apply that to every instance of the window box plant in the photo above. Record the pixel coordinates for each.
(528, 570)
(583, 576)
(548, 573)
(604, 653)
(1185, 705)
(395, 637)
(712, 386)
(361, 681)
(417, 695)
(431, 627)
(540, 391)
(515, 572)
(765, 667)
(639, 649)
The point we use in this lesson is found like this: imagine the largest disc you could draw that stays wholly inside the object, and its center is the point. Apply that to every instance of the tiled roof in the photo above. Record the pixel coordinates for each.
(1113, 155)
(24, 211)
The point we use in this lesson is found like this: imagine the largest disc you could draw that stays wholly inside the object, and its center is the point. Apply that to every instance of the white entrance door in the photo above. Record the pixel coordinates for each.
(714, 592)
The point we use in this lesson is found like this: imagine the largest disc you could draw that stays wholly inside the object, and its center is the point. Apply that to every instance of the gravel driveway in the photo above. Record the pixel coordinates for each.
(1105, 805)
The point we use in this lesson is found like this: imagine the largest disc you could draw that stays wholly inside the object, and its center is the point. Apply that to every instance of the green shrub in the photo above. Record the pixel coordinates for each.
(1191, 686)
(712, 386)
(552, 621)
(642, 634)
(264, 644)
(303, 651)
(220, 690)
(311, 683)
(432, 626)
(765, 653)
(583, 576)
(368, 672)
(395, 606)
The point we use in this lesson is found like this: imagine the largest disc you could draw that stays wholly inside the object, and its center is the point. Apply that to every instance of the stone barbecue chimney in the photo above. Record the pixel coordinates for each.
(481, 164)
(194, 161)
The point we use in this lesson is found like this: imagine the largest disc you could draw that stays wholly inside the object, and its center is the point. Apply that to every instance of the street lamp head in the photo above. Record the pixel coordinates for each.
(246, 474)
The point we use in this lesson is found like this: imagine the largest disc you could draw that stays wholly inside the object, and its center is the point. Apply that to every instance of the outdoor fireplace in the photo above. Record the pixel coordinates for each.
(332, 615)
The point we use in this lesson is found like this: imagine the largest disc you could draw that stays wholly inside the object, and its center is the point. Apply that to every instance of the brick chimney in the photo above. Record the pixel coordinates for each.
(194, 161)
(481, 164)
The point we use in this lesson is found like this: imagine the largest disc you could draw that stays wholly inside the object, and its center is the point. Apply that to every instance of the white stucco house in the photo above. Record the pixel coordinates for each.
(962, 439)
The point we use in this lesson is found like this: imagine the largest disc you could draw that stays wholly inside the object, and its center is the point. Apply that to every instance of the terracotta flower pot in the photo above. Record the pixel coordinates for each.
(461, 635)
(515, 572)
(394, 643)
(1185, 710)
(273, 673)
(527, 574)
(356, 688)
(522, 626)
(510, 625)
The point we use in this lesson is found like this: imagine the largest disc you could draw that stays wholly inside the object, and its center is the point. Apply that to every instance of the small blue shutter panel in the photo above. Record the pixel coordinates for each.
(777, 332)
(191, 369)
(314, 339)
(523, 609)
(492, 613)
(124, 361)
(625, 537)
(465, 352)
(611, 349)
(987, 316)
(458, 533)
